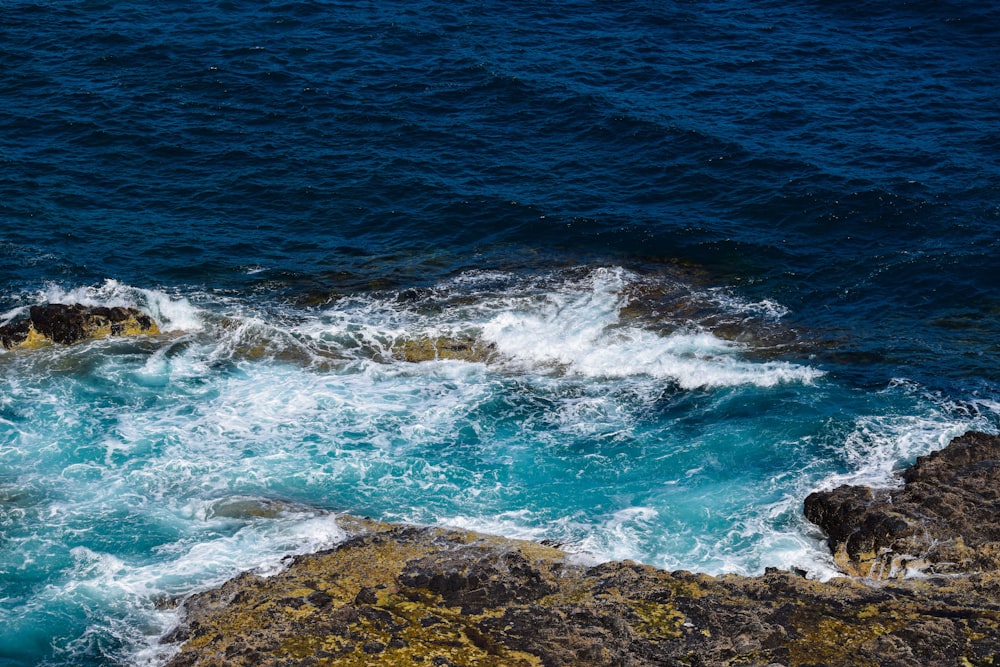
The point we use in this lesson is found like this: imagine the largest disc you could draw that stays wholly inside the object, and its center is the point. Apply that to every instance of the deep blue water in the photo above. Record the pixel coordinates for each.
(724, 254)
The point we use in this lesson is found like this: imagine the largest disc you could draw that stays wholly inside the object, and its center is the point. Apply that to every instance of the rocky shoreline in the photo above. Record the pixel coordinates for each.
(924, 590)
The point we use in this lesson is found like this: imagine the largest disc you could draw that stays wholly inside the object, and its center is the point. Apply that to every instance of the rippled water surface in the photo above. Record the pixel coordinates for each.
(632, 277)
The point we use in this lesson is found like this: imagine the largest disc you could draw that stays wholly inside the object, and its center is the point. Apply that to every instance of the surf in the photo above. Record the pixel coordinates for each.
(598, 413)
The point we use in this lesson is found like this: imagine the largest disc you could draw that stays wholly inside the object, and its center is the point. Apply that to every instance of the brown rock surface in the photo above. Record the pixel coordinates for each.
(404, 595)
(461, 348)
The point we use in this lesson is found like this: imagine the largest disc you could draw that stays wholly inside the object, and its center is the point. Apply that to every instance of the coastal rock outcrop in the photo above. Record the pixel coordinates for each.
(407, 595)
(945, 519)
(71, 323)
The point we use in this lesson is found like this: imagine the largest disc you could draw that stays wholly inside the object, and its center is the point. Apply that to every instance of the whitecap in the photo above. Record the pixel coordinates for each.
(171, 313)
(766, 308)
(576, 329)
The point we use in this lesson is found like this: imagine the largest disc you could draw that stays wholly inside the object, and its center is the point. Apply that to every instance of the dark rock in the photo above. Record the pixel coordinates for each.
(15, 334)
(365, 596)
(838, 512)
(945, 519)
(319, 599)
(63, 324)
(372, 647)
(68, 324)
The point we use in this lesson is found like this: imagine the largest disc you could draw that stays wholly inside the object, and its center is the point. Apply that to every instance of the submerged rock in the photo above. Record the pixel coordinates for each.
(430, 349)
(250, 507)
(258, 341)
(406, 595)
(67, 324)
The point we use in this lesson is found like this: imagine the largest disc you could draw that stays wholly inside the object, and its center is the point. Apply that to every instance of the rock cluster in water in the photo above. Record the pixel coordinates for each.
(72, 323)
(407, 595)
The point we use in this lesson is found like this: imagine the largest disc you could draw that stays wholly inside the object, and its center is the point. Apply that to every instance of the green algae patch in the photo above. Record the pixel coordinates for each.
(832, 641)
(658, 620)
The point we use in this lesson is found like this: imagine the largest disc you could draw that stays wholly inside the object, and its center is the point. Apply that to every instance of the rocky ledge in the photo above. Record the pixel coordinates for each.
(944, 520)
(71, 323)
(406, 595)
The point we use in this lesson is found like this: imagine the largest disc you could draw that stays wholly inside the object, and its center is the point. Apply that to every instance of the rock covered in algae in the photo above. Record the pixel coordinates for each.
(71, 323)
(944, 520)
(460, 348)
(406, 595)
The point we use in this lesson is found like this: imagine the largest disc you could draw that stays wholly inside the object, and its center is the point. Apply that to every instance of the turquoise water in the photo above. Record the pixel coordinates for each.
(141, 469)
(719, 255)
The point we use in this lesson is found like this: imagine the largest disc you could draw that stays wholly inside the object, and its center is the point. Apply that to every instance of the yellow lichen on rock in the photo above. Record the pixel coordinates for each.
(33, 340)
(407, 595)
(836, 641)
(342, 607)
(657, 619)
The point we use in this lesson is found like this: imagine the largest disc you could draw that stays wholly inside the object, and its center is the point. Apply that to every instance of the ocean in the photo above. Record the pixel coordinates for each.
(632, 277)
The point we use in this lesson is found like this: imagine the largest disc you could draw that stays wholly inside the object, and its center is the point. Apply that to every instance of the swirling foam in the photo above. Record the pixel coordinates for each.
(577, 328)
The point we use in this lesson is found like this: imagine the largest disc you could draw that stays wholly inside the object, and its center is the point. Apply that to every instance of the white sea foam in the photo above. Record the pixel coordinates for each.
(872, 452)
(103, 581)
(693, 361)
(259, 545)
(622, 535)
(774, 534)
(878, 445)
(170, 313)
(10, 315)
(766, 308)
(514, 524)
(577, 329)
(566, 324)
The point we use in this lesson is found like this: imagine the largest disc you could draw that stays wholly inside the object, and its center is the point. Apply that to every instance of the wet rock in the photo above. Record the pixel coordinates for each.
(20, 333)
(255, 340)
(68, 324)
(944, 520)
(248, 507)
(613, 614)
(667, 306)
(429, 349)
